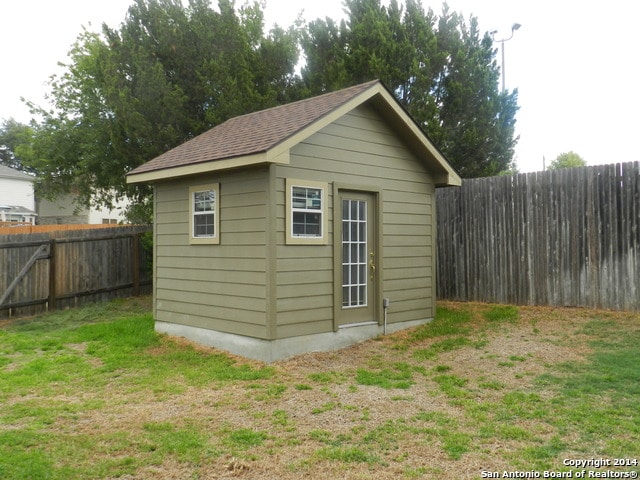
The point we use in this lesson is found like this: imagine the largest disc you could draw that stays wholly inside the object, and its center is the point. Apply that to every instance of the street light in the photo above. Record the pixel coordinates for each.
(514, 27)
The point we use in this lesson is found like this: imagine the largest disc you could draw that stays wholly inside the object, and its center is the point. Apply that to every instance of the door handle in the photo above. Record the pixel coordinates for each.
(372, 264)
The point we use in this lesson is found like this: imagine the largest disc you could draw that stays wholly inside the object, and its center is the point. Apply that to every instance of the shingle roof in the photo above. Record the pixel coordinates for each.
(7, 172)
(252, 133)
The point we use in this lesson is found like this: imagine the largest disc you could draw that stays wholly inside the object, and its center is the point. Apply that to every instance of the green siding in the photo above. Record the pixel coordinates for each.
(253, 283)
(219, 287)
(358, 150)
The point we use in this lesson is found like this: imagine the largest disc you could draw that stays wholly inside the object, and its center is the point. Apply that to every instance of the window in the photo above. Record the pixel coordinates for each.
(306, 214)
(204, 221)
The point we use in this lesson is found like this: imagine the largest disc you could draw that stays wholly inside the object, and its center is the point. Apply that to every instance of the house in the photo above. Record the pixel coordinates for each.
(17, 203)
(64, 210)
(304, 227)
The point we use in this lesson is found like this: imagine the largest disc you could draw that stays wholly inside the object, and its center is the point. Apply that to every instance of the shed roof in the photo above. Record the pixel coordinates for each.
(267, 135)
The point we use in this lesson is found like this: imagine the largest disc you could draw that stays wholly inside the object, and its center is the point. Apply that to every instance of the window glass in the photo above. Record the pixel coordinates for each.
(306, 216)
(306, 211)
(204, 214)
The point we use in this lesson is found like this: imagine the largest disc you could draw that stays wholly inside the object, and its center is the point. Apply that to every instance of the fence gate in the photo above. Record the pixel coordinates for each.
(62, 269)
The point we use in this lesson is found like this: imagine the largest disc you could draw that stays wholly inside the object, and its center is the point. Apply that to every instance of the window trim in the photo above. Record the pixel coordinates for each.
(215, 239)
(323, 238)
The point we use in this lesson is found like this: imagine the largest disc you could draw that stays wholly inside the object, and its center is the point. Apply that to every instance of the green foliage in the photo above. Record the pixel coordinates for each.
(567, 160)
(439, 67)
(169, 72)
(165, 75)
(13, 135)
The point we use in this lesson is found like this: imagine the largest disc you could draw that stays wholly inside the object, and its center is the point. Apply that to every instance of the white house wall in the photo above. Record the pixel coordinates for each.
(17, 192)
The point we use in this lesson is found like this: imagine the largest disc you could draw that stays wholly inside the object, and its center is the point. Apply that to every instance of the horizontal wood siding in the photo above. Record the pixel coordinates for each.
(220, 287)
(359, 150)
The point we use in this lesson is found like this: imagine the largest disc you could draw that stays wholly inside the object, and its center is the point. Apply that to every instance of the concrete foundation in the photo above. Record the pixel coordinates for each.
(273, 350)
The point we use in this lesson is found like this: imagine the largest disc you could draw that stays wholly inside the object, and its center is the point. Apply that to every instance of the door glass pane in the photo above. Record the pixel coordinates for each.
(354, 231)
(354, 258)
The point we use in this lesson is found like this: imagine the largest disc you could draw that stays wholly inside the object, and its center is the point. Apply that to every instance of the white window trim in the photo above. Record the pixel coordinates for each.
(292, 239)
(215, 239)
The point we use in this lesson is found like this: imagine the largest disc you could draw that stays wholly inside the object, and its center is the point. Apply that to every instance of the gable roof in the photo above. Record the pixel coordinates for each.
(266, 136)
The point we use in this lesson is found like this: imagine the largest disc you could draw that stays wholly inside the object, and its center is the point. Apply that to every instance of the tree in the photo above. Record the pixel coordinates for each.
(441, 69)
(170, 72)
(167, 74)
(567, 160)
(13, 134)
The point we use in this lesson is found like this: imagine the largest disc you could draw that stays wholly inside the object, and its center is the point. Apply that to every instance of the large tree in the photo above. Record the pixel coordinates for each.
(439, 67)
(13, 134)
(168, 73)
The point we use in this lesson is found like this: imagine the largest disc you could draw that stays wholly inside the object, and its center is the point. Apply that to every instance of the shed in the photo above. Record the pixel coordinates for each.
(305, 227)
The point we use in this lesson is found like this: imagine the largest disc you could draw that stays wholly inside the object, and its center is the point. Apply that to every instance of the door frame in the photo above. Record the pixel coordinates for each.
(376, 244)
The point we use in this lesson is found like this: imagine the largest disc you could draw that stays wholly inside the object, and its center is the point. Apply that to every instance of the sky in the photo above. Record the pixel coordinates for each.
(574, 63)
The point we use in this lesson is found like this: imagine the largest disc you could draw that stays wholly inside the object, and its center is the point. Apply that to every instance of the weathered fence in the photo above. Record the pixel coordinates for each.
(42, 271)
(568, 237)
(15, 228)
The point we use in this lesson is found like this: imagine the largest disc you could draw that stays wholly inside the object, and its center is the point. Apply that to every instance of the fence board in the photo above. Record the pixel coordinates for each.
(82, 266)
(568, 237)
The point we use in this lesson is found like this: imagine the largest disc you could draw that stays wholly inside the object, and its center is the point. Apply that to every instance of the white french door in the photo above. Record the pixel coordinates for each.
(358, 258)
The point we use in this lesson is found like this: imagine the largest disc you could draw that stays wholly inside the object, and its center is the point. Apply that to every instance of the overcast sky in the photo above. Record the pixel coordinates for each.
(575, 64)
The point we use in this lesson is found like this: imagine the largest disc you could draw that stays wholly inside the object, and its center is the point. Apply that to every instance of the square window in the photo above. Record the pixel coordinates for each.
(306, 215)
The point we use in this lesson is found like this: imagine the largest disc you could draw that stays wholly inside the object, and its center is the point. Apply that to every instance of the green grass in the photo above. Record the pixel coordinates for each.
(95, 393)
(501, 313)
(447, 322)
(399, 375)
(446, 345)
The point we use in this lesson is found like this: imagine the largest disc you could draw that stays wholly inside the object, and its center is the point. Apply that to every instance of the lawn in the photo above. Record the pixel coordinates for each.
(95, 393)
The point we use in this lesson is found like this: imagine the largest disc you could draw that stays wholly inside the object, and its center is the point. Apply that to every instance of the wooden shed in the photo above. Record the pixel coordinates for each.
(304, 227)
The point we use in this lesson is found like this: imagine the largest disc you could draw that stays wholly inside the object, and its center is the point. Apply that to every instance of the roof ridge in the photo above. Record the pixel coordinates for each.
(316, 98)
(254, 132)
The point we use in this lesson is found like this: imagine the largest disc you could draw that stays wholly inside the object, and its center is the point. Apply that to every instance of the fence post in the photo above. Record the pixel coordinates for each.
(52, 274)
(135, 263)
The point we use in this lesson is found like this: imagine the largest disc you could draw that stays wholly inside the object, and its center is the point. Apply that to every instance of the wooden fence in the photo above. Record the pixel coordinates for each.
(15, 228)
(568, 237)
(59, 269)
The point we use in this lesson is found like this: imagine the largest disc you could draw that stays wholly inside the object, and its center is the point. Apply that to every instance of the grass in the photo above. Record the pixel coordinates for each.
(95, 393)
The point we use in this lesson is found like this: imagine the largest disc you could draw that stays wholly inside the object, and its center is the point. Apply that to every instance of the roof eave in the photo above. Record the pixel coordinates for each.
(261, 158)
(444, 174)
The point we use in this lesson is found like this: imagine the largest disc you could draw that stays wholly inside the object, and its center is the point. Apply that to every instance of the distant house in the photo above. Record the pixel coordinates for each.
(17, 202)
(63, 210)
(305, 227)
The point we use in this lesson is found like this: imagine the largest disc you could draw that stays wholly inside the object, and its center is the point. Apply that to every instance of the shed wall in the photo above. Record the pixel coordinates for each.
(218, 287)
(362, 151)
